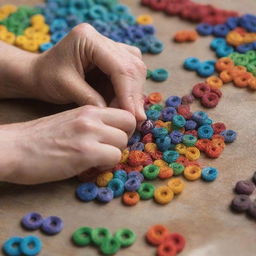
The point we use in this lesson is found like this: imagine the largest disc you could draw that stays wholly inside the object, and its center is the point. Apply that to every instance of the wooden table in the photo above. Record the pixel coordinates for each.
(201, 213)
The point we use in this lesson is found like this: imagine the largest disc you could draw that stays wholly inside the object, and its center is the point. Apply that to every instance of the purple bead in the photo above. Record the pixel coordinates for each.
(137, 146)
(32, 221)
(168, 113)
(135, 138)
(147, 126)
(190, 125)
(136, 175)
(176, 137)
(173, 101)
(105, 195)
(241, 203)
(187, 99)
(52, 225)
(132, 184)
(245, 187)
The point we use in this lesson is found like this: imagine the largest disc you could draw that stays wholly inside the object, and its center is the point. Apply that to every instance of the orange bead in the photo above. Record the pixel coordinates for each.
(150, 147)
(242, 80)
(155, 97)
(156, 234)
(165, 172)
(224, 64)
(252, 83)
(125, 155)
(226, 76)
(131, 198)
(234, 71)
(214, 82)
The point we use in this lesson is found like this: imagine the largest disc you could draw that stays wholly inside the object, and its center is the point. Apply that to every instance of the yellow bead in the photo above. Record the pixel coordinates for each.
(9, 8)
(144, 19)
(160, 163)
(192, 153)
(125, 155)
(234, 38)
(163, 195)
(176, 185)
(192, 172)
(150, 147)
(20, 41)
(8, 37)
(31, 46)
(181, 149)
(3, 28)
(168, 126)
(104, 178)
(29, 32)
(38, 18)
(42, 28)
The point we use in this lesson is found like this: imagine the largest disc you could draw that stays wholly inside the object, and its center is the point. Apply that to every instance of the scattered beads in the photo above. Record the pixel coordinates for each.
(32, 221)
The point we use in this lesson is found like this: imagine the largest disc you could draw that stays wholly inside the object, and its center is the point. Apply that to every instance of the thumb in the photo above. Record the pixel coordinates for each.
(82, 93)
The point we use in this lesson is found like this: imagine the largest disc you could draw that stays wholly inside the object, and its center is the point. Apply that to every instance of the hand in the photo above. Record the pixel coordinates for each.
(61, 72)
(64, 145)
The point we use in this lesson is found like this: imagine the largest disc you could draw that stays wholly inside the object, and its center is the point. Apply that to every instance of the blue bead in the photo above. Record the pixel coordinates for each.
(191, 63)
(135, 138)
(243, 48)
(224, 51)
(52, 225)
(12, 246)
(121, 175)
(229, 135)
(111, 17)
(135, 33)
(117, 186)
(176, 137)
(78, 4)
(204, 29)
(156, 47)
(148, 29)
(209, 173)
(132, 184)
(30, 245)
(120, 9)
(136, 175)
(232, 22)
(173, 101)
(153, 114)
(87, 191)
(163, 143)
(73, 20)
(105, 195)
(207, 121)
(178, 121)
(190, 125)
(128, 19)
(45, 47)
(170, 156)
(143, 45)
(32, 221)
(168, 113)
(160, 132)
(61, 12)
(248, 21)
(220, 30)
(199, 117)
(205, 132)
(217, 42)
(97, 12)
(205, 69)
(57, 36)
(137, 146)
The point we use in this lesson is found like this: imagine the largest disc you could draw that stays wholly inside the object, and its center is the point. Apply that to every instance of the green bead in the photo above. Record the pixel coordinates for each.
(178, 121)
(177, 168)
(156, 107)
(146, 191)
(99, 235)
(241, 60)
(82, 236)
(189, 140)
(149, 74)
(160, 75)
(251, 68)
(151, 171)
(110, 246)
(251, 55)
(125, 236)
(233, 55)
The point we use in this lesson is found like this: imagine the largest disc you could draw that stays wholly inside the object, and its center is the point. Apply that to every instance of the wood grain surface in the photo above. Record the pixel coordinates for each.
(201, 213)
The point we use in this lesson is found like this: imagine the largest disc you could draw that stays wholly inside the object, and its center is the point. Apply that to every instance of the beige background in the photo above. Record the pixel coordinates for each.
(201, 213)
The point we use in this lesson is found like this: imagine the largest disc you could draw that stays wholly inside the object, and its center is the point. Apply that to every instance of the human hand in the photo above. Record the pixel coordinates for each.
(64, 145)
(61, 72)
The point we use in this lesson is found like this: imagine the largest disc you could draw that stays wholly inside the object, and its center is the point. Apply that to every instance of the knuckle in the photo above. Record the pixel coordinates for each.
(136, 51)
(130, 120)
(83, 29)
(88, 110)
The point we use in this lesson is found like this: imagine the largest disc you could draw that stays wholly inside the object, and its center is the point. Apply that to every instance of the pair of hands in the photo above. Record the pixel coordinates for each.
(63, 145)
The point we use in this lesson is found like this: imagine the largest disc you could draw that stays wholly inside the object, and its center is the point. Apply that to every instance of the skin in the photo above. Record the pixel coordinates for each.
(89, 136)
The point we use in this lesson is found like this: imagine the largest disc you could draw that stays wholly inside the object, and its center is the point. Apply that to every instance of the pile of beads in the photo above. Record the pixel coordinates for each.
(167, 144)
(107, 17)
(27, 246)
(242, 202)
(51, 225)
(185, 36)
(168, 244)
(101, 237)
(190, 10)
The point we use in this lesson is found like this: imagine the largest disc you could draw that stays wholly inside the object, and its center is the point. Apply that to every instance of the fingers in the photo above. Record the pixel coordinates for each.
(81, 92)
(123, 65)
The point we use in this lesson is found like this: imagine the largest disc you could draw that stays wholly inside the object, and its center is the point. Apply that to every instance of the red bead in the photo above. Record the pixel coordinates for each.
(158, 5)
(210, 100)
(217, 91)
(192, 132)
(218, 127)
(148, 138)
(200, 89)
(177, 239)
(184, 110)
(173, 8)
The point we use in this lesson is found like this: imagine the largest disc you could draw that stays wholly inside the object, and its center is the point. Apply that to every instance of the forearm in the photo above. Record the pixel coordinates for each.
(16, 72)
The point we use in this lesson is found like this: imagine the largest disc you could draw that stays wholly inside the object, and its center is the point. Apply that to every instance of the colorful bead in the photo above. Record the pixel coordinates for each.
(11, 247)
(125, 236)
(245, 187)
(99, 235)
(151, 171)
(166, 247)
(241, 203)
(52, 225)
(192, 153)
(132, 184)
(176, 185)
(191, 63)
(200, 89)
(105, 195)
(229, 136)
(131, 198)
(82, 236)
(205, 132)
(117, 186)
(156, 234)
(189, 140)
(30, 245)
(146, 191)
(165, 172)
(209, 173)
(205, 69)
(104, 178)
(170, 156)
(181, 149)
(121, 175)
(178, 121)
(110, 246)
(163, 195)
(192, 172)
(177, 168)
(87, 191)
(178, 240)
(159, 75)
(32, 221)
